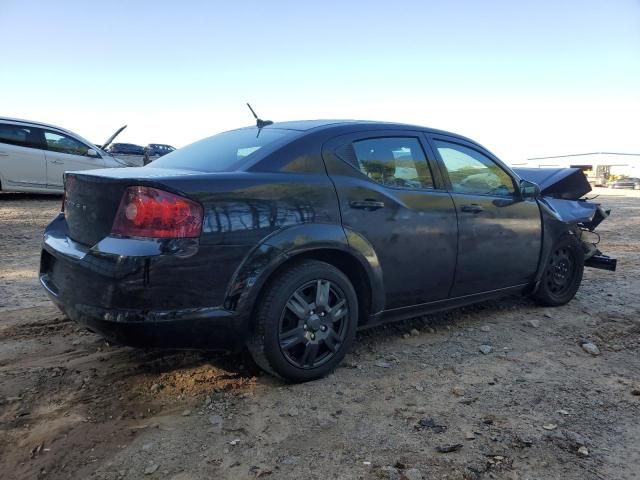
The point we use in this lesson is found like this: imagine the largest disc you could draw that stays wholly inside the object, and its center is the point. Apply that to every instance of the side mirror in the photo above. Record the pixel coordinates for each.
(92, 153)
(528, 189)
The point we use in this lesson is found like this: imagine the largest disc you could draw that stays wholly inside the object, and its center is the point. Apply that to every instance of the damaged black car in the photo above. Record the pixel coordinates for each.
(286, 238)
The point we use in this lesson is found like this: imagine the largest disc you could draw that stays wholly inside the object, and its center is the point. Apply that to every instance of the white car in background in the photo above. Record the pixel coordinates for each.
(34, 156)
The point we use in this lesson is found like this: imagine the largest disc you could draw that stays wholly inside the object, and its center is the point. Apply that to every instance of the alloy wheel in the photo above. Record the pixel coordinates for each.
(313, 324)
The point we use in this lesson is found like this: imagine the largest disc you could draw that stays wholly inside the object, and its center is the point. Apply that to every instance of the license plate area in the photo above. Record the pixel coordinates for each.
(47, 267)
(46, 262)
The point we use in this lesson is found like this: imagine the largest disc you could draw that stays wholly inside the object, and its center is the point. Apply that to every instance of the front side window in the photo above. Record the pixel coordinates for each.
(396, 162)
(20, 135)
(472, 172)
(56, 142)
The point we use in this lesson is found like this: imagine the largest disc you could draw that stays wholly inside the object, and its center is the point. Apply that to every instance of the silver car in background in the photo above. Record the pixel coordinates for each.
(625, 182)
(34, 156)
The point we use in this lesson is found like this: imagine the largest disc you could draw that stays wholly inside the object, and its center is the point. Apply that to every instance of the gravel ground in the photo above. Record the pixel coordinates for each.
(537, 405)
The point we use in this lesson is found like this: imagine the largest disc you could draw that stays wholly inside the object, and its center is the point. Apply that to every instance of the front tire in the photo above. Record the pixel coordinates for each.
(563, 273)
(305, 322)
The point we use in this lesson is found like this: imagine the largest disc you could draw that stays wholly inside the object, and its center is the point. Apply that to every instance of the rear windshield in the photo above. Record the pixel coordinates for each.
(224, 152)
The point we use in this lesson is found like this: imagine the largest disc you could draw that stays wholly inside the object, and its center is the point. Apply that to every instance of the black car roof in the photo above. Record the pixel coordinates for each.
(304, 125)
(307, 125)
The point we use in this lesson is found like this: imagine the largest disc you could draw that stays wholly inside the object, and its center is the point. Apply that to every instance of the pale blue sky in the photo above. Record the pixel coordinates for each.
(541, 78)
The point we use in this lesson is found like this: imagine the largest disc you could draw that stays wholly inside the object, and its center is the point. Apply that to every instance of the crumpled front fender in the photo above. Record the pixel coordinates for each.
(563, 210)
(575, 212)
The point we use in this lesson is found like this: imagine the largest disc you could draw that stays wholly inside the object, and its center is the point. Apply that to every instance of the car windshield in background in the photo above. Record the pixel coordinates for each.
(224, 152)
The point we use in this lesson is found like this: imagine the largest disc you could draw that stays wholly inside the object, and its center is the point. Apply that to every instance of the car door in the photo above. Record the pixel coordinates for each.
(22, 159)
(65, 153)
(499, 234)
(390, 198)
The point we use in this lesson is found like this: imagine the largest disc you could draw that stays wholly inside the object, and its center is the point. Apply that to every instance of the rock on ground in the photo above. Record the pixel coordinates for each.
(591, 348)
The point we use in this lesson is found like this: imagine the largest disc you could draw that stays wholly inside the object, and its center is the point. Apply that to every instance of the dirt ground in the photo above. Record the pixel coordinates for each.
(537, 407)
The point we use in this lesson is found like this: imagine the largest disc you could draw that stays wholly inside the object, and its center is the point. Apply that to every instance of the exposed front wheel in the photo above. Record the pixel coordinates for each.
(305, 322)
(563, 273)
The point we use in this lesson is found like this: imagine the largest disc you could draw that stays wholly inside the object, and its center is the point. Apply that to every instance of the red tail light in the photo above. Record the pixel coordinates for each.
(149, 212)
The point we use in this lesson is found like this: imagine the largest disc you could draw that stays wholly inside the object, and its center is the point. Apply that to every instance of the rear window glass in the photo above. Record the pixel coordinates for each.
(224, 152)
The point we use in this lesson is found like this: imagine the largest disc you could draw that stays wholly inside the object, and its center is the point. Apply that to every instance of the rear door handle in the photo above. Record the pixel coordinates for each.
(473, 208)
(4, 154)
(366, 204)
(57, 162)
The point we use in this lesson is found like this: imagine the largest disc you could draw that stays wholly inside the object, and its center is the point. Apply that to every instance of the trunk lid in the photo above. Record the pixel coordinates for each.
(92, 197)
(90, 205)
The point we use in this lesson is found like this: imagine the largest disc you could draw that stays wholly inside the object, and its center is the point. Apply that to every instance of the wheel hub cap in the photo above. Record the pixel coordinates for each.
(314, 322)
(560, 271)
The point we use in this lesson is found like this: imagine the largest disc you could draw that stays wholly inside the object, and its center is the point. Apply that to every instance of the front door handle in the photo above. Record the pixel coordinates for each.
(57, 162)
(367, 204)
(4, 154)
(473, 208)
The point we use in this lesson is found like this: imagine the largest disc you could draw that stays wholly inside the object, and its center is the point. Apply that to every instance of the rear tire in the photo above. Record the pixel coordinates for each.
(305, 322)
(563, 273)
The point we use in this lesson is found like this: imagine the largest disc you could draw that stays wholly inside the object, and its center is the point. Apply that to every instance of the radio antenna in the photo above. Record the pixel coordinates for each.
(259, 122)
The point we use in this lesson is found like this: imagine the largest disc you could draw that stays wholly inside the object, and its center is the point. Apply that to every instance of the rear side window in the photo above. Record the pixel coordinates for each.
(224, 152)
(21, 135)
(56, 142)
(396, 162)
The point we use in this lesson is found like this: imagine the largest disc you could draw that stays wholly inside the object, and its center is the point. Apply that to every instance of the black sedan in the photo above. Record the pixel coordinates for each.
(289, 237)
(154, 151)
(126, 149)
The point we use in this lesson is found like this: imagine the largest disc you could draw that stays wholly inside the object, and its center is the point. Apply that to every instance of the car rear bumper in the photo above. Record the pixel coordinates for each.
(117, 297)
(205, 328)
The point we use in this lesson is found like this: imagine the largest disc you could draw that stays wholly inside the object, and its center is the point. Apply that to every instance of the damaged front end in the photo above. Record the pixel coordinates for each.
(561, 190)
